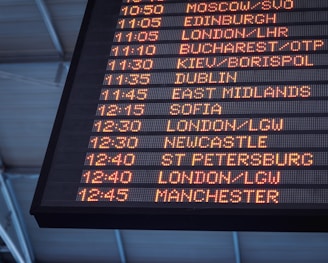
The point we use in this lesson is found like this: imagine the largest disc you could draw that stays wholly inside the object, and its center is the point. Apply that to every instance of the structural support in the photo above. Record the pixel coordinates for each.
(120, 245)
(12, 248)
(19, 222)
(11, 230)
(62, 71)
(50, 27)
(236, 246)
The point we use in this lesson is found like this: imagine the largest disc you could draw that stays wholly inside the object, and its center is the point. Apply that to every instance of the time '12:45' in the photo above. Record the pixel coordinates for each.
(102, 194)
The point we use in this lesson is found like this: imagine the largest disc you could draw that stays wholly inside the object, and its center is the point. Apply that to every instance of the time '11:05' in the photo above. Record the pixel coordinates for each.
(138, 36)
(145, 22)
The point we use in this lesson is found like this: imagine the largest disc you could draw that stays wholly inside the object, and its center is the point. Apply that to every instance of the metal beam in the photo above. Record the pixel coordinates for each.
(62, 71)
(50, 27)
(7, 232)
(236, 246)
(120, 245)
(23, 235)
(11, 245)
(17, 224)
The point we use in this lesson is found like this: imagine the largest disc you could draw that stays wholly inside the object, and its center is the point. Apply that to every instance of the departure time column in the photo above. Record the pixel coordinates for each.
(121, 105)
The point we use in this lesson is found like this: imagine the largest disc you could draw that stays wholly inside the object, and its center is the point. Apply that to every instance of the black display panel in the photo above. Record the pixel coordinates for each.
(192, 115)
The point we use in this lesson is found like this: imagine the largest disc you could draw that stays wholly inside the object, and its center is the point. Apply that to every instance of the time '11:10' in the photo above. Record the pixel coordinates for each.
(133, 50)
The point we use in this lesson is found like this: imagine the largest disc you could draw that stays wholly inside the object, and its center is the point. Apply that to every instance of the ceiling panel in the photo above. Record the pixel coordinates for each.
(28, 104)
(284, 247)
(179, 246)
(24, 35)
(22, 31)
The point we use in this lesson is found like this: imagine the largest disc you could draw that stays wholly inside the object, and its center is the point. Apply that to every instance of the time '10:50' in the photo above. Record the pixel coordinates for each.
(134, 10)
(140, 1)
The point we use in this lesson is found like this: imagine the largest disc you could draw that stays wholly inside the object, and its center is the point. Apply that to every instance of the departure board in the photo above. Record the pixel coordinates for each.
(192, 115)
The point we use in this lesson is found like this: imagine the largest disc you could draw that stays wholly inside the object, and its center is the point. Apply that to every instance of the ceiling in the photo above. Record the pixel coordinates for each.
(37, 39)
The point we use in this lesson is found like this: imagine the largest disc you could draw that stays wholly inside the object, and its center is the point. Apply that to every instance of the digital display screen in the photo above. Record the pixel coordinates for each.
(192, 109)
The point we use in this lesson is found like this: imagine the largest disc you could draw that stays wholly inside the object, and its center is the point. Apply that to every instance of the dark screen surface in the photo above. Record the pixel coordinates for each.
(192, 115)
